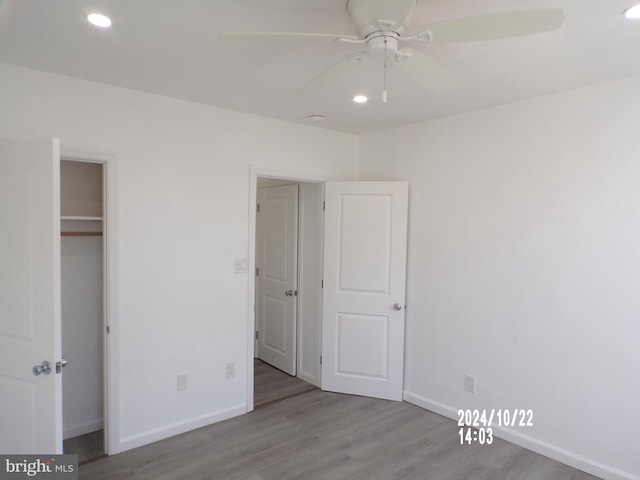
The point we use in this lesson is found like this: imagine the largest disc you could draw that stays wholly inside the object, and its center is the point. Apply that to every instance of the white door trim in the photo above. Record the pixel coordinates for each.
(256, 171)
(111, 350)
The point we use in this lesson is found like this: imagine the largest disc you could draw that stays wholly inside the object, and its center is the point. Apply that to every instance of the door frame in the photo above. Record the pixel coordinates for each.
(256, 171)
(111, 330)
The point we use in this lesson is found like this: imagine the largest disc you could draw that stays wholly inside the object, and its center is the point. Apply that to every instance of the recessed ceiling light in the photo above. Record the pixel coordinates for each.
(99, 20)
(632, 12)
(360, 99)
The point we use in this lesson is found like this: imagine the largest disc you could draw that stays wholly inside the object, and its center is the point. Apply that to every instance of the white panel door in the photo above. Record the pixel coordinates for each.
(31, 406)
(364, 288)
(277, 276)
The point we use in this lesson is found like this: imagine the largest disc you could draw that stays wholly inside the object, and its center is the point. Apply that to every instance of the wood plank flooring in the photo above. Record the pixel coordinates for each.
(272, 385)
(329, 436)
(86, 446)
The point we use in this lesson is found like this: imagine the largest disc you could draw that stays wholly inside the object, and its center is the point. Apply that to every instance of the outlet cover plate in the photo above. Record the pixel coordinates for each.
(182, 381)
(470, 383)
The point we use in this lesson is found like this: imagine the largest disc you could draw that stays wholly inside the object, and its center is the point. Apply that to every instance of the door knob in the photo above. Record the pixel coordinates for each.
(289, 293)
(45, 368)
(397, 306)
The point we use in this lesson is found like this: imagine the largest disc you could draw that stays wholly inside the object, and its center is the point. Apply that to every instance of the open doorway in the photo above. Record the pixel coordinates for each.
(361, 298)
(288, 297)
(82, 261)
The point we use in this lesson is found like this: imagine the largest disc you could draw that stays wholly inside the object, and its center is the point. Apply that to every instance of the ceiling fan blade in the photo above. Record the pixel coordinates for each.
(284, 36)
(493, 26)
(333, 72)
(425, 71)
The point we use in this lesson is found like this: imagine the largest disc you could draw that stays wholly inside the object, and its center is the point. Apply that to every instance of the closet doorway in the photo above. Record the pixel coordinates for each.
(287, 289)
(82, 226)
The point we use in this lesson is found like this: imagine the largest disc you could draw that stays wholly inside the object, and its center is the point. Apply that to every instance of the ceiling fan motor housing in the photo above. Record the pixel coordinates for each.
(384, 16)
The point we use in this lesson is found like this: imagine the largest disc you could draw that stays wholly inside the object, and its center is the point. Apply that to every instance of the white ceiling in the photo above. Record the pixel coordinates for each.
(171, 47)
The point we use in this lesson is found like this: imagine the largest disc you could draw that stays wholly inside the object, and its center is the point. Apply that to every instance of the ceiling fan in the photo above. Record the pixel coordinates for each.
(381, 30)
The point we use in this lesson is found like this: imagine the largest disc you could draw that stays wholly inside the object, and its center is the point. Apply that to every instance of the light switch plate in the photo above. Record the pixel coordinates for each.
(241, 265)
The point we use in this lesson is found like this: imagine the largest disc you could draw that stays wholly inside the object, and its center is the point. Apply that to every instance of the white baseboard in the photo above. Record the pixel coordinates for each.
(530, 443)
(177, 428)
(77, 430)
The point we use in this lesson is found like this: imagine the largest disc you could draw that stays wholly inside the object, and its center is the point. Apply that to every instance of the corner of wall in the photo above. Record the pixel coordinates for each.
(536, 445)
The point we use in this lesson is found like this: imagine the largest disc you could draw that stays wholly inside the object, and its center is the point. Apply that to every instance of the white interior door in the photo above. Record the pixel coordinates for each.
(31, 405)
(277, 260)
(364, 288)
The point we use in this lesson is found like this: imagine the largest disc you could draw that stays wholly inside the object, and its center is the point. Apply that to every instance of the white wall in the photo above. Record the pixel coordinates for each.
(81, 189)
(524, 267)
(82, 393)
(181, 178)
(523, 257)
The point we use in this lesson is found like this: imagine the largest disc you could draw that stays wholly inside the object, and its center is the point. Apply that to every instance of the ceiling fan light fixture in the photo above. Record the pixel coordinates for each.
(632, 13)
(360, 99)
(99, 20)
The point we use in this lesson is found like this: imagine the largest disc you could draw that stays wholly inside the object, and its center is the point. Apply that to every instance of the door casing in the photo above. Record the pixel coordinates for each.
(280, 174)
(254, 173)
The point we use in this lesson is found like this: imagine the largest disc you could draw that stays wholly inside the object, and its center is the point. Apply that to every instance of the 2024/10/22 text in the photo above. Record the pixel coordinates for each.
(517, 417)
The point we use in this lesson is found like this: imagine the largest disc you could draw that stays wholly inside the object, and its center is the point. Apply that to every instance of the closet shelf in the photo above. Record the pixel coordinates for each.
(76, 226)
(81, 234)
(95, 219)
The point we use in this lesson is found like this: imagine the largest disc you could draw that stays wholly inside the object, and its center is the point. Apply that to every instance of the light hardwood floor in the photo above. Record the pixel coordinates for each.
(329, 436)
(272, 385)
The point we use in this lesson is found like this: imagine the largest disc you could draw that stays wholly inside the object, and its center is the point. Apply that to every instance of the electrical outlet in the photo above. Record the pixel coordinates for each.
(230, 370)
(181, 381)
(470, 383)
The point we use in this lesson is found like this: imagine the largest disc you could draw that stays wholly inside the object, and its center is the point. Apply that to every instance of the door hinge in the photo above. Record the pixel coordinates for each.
(257, 272)
(108, 330)
(257, 208)
(257, 335)
(320, 359)
(322, 283)
(324, 206)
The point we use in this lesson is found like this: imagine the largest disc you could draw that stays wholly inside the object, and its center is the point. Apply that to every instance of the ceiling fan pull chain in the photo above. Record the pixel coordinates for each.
(384, 90)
